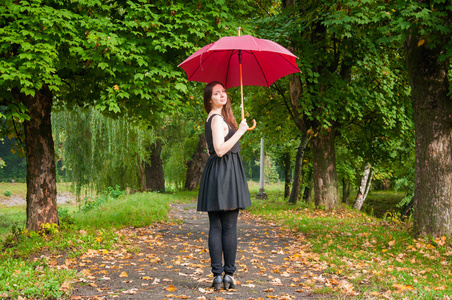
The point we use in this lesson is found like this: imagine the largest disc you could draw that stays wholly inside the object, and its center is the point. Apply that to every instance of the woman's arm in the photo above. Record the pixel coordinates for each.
(218, 133)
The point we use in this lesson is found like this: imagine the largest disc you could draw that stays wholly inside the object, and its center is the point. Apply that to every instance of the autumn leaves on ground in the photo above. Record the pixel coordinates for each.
(154, 246)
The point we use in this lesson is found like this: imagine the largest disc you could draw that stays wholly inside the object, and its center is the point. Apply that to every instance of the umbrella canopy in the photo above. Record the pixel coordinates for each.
(263, 62)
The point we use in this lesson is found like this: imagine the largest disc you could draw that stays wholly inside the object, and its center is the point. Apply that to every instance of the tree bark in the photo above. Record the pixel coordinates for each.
(142, 174)
(432, 107)
(308, 190)
(324, 165)
(40, 156)
(196, 165)
(155, 177)
(287, 173)
(298, 168)
(363, 188)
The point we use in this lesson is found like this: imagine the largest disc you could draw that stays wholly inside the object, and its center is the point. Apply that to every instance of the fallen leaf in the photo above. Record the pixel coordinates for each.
(123, 274)
(170, 288)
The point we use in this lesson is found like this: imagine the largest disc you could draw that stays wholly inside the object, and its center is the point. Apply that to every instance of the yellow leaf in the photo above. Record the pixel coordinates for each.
(123, 274)
(421, 42)
(171, 288)
(146, 278)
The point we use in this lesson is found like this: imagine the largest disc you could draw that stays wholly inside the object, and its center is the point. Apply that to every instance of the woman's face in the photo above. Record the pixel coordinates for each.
(219, 96)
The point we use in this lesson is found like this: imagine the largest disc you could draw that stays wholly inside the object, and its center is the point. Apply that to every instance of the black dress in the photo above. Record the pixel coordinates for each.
(223, 182)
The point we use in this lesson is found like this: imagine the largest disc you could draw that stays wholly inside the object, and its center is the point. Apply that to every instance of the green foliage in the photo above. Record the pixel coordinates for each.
(65, 218)
(34, 279)
(79, 231)
(97, 151)
(7, 193)
(115, 192)
(270, 170)
(87, 204)
(140, 209)
(14, 167)
(350, 84)
(382, 253)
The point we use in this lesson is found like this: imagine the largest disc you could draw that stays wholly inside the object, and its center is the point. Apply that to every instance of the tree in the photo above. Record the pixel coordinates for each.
(344, 78)
(428, 47)
(298, 170)
(363, 188)
(116, 56)
(195, 166)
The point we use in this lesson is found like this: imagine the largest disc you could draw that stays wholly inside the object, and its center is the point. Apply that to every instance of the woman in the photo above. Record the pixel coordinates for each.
(223, 189)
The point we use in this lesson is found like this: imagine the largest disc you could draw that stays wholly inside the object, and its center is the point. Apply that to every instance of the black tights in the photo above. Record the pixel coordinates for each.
(223, 241)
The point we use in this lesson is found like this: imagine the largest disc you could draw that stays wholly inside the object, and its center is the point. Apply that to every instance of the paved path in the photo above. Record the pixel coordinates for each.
(171, 261)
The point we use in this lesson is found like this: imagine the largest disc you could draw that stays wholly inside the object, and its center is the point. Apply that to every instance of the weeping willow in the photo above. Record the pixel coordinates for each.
(95, 152)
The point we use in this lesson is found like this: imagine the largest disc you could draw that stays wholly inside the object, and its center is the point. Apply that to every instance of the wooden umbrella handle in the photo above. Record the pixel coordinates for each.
(254, 125)
(241, 93)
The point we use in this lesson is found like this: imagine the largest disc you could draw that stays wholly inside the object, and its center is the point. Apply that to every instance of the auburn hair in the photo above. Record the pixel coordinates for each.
(226, 111)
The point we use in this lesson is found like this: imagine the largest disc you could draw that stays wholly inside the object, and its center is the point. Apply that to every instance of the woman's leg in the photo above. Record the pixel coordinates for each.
(229, 239)
(215, 243)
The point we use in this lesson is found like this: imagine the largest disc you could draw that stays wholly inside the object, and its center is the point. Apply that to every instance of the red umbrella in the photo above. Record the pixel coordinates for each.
(262, 61)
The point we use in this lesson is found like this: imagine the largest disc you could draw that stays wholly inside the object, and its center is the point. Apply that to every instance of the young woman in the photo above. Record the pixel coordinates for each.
(223, 189)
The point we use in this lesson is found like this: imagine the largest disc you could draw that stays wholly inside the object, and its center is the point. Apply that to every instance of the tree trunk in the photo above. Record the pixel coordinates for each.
(433, 133)
(345, 192)
(363, 188)
(324, 165)
(155, 177)
(196, 165)
(298, 168)
(40, 155)
(142, 174)
(308, 190)
(287, 173)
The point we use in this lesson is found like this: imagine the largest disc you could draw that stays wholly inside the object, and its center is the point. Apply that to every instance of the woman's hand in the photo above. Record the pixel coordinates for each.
(243, 126)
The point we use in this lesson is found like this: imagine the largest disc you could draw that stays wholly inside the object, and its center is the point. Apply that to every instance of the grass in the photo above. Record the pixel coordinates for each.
(379, 203)
(20, 189)
(11, 216)
(379, 257)
(25, 257)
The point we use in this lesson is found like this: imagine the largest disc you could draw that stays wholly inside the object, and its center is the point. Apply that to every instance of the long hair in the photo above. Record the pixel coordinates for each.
(226, 111)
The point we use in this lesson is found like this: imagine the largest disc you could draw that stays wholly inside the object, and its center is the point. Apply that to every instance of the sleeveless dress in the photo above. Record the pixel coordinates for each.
(223, 183)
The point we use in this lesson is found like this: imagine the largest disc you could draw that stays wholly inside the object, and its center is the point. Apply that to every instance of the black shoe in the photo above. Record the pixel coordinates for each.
(217, 282)
(228, 282)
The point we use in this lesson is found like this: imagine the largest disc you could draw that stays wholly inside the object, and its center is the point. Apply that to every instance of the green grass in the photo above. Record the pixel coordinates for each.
(381, 202)
(20, 189)
(25, 257)
(379, 256)
(11, 216)
(138, 210)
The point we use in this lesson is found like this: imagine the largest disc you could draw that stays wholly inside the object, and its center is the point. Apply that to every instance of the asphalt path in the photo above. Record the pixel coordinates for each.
(171, 261)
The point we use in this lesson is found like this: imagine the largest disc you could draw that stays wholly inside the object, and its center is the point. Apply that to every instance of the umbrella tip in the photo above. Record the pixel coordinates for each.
(238, 28)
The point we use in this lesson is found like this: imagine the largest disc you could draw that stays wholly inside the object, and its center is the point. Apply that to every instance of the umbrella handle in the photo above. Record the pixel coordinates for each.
(254, 125)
